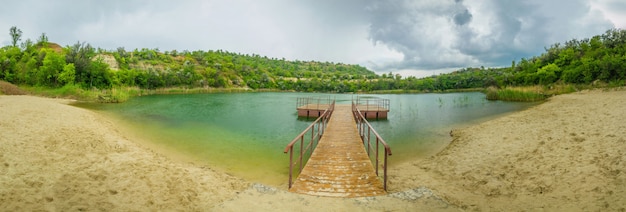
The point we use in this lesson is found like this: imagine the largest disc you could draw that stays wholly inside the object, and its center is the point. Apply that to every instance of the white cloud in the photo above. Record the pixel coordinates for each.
(399, 36)
(613, 10)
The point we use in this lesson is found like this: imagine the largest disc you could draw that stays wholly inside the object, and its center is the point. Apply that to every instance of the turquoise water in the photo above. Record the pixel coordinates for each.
(419, 125)
(244, 134)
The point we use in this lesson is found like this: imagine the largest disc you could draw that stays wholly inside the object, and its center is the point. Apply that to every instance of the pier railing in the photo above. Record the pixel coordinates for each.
(304, 144)
(368, 104)
(316, 103)
(373, 148)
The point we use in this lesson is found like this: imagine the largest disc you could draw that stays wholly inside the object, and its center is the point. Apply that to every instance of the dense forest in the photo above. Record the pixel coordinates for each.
(46, 64)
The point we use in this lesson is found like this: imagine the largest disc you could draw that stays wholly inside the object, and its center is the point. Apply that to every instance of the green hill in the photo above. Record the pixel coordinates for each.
(151, 69)
(600, 59)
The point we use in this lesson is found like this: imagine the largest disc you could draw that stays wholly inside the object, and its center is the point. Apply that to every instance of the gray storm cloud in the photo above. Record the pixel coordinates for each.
(463, 17)
(442, 34)
(385, 35)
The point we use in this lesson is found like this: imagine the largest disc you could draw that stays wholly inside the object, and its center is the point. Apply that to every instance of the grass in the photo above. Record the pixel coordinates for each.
(182, 90)
(398, 91)
(119, 94)
(113, 95)
(532, 93)
(122, 94)
(402, 91)
(509, 94)
(68, 91)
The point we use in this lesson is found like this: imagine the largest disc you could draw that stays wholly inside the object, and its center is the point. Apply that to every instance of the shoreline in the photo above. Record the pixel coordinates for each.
(567, 153)
(59, 157)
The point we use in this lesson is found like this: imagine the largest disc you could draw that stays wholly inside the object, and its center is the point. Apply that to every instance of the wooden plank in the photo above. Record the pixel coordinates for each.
(339, 166)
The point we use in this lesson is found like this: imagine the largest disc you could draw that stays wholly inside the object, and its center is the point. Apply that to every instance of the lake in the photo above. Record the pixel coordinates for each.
(244, 134)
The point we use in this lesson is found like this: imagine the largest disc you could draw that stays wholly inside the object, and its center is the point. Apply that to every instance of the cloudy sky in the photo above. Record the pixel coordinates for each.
(411, 37)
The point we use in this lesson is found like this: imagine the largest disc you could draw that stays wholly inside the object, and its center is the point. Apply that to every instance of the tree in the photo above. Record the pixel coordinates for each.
(99, 75)
(28, 46)
(548, 74)
(80, 55)
(53, 63)
(16, 35)
(43, 40)
(68, 75)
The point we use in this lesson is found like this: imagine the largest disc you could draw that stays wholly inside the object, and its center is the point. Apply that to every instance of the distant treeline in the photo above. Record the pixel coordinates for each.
(42, 63)
(599, 59)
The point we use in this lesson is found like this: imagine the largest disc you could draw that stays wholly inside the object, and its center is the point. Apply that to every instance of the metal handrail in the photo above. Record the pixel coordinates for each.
(319, 102)
(363, 125)
(377, 103)
(316, 130)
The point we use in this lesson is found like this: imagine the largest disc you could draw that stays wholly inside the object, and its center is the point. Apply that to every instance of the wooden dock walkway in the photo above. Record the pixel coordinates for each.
(339, 166)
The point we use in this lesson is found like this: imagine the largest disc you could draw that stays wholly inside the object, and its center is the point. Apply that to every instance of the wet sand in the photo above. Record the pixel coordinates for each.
(566, 154)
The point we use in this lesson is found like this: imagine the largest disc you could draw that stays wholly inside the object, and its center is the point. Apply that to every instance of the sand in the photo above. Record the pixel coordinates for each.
(56, 157)
(568, 154)
(565, 154)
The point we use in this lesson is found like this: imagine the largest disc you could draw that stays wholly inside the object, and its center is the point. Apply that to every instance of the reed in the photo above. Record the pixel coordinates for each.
(517, 95)
(68, 91)
(112, 95)
(183, 90)
(117, 95)
(534, 93)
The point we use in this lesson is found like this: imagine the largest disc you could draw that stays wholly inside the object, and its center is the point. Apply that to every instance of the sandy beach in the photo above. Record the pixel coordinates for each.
(56, 157)
(568, 154)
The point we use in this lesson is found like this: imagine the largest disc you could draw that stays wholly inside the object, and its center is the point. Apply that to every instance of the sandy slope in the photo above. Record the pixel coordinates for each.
(566, 154)
(61, 158)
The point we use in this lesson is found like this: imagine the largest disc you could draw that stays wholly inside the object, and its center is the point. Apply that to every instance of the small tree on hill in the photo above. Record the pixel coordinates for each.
(43, 40)
(16, 35)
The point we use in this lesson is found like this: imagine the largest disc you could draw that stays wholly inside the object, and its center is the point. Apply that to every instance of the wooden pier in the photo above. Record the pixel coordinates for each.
(312, 110)
(312, 106)
(339, 166)
(371, 108)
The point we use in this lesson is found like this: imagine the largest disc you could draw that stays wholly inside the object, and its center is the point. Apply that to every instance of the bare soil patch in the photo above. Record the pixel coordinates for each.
(7, 88)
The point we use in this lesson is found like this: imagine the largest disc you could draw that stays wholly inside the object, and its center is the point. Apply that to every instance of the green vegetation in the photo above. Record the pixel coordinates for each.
(514, 95)
(81, 71)
(596, 62)
(16, 35)
(45, 64)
